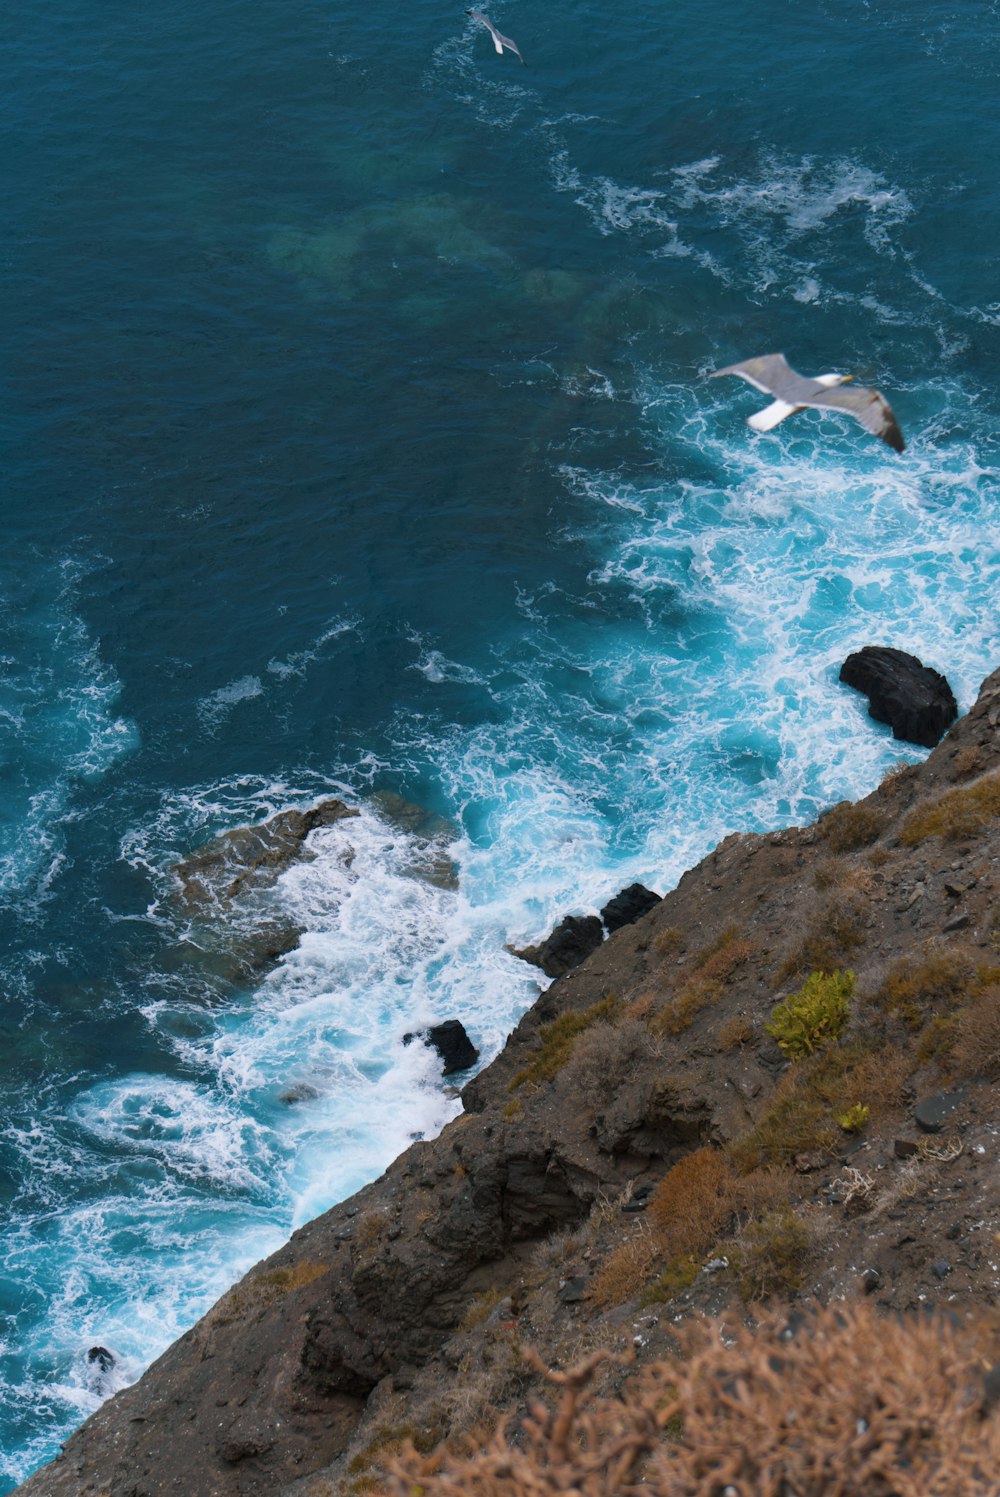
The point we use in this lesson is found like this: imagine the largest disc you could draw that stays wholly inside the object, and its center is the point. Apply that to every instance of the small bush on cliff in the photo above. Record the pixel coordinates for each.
(825, 944)
(264, 1287)
(558, 1038)
(669, 941)
(680, 1013)
(854, 1118)
(770, 1255)
(607, 1055)
(720, 958)
(918, 989)
(692, 1202)
(814, 1016)
(734, 1032)
(957, 814)
(975, 1049)
(848, 826)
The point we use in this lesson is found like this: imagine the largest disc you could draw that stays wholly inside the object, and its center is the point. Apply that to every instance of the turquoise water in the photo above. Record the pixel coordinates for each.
(356, 441)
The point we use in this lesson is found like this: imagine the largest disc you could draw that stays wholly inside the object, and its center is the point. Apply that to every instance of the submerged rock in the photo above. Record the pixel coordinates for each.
(628, 906)
(251, 857)
(916, 701)
(572, 941)
(451, 1042)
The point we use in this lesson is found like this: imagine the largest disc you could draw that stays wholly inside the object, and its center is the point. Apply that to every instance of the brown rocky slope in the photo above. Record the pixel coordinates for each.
(643, 1146)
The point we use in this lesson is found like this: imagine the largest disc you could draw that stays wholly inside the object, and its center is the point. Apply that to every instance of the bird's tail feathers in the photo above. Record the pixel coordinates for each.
(771, 415)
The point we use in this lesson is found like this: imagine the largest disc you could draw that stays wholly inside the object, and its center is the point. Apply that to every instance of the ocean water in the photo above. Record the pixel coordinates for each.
(356, 441)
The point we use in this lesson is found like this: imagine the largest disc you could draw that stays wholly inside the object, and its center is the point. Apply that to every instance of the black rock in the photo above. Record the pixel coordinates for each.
(932, 1113)
(572, 1290)
(572, 941)
(451, 1042)
(628, 906)
(916, 701)
(941, 1269)
(101, 1358)
(871, 1280)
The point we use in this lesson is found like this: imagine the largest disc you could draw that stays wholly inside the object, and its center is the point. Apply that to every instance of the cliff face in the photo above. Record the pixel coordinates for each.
(404, 1308)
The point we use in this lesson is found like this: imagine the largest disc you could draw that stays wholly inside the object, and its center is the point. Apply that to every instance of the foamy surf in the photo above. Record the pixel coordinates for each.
(58, 725)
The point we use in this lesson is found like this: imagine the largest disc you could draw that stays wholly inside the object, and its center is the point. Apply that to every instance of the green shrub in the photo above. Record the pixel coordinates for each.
(854, 1119)
(813, 1016)
(771, 1254)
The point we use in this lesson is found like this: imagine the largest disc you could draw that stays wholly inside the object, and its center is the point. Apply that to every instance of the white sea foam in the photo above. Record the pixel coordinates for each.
(298, 662)
(218, 704)
(436, 667)
(58, 726)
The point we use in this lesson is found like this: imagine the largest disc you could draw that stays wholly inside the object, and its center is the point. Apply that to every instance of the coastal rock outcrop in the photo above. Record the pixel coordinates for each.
(572, 941)
(451, 1042)
(251, 857)
(628, 906)
(916, 701)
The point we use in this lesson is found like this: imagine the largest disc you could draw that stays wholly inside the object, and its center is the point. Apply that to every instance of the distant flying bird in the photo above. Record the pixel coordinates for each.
(499, 40)
(773, 374)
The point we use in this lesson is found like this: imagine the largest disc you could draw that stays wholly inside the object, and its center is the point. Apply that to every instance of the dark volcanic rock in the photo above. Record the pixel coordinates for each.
(932, 1113)
(451, 1042)
(916, 701)
(572, 941)
(628, 906)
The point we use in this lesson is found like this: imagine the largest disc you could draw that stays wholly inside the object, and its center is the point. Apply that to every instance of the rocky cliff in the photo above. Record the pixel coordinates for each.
(779, 1080)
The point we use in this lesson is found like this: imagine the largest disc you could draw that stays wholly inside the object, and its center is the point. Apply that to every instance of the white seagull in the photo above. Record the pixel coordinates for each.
(499, 40)
(773, 374)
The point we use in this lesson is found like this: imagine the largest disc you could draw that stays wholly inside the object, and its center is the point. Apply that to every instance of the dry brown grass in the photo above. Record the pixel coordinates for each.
(975, 1044)
(669, 942)
(968, 761)
(955, 815)
(734, 1033)
(480, 1308)
(692, 1202)
(846, 1406)
(607, 1055)
(680, 1013)
(834, 932)
(264, 1287)
(722, 957)
(627, 1268)
(769, 1255)
(700, 1199)
(368, 1232)
(917, 988)
(847, 827)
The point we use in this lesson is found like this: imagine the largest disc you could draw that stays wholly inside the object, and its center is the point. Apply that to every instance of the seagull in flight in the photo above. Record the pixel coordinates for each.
(773, 374)
(499, 40)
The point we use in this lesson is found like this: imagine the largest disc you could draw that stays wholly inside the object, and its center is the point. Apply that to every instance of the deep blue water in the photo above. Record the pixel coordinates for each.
(356, 441)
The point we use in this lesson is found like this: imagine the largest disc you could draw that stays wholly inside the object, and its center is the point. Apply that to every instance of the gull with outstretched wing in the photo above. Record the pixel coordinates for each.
(499, 40)
(773, 374)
